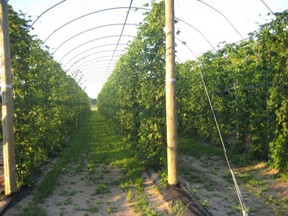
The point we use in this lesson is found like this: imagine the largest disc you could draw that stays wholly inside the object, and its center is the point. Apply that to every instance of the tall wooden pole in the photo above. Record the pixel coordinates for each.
(7, 110)
(170, 94)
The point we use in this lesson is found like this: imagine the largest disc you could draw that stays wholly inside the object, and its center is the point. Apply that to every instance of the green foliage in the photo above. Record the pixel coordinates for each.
(273, 46)
(33, 210)
(133, 98)
(189, 145)
(48, 104)
(247, 83)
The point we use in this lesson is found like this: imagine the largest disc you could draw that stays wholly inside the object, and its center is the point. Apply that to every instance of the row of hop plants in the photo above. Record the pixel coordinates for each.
(247, 83)
(133, 98)
(48, 105)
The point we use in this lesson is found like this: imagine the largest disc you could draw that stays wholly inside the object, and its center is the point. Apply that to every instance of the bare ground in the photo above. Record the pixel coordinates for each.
(95, 190)
(92, 191)
(209, 178)
(90, 183)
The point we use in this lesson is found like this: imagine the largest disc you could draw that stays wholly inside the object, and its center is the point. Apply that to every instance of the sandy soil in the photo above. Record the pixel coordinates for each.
(92, 191)
(95, 190)
(209, 179)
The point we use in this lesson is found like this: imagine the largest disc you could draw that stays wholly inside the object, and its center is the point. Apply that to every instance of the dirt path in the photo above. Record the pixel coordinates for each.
(92, 192)
(101, 177)
(95, 182)
(87, 192)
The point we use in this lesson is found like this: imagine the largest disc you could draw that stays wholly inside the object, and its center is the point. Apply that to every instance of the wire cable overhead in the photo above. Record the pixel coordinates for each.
(223, 16)
(268, 7)
(88, 14)
(46, 12)
(119, 38)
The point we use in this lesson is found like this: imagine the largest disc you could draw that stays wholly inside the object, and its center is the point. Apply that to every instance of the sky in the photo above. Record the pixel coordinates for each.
(93, 54)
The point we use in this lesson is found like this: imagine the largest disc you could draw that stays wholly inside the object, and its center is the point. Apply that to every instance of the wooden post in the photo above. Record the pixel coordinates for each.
(7, 110)
(170, 94)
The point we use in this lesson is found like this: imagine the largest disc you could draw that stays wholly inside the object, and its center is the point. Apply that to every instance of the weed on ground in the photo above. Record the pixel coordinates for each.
(93, 176)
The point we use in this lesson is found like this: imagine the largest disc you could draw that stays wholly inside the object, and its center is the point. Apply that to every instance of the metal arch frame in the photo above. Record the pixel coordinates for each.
(90, 62)
(98, 58)
(118, 8)
(93, 69)
(104, 45)
(88, 14)
(94, 64)
(87, 42)
(91, 29)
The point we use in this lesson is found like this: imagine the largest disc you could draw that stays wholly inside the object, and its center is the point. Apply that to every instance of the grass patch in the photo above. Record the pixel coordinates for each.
(33, 210)
(244, 178)
(109, 149)
(283, 177)
(98, 143)
(111, 210)
(195, 148)
(102, 189)
(93, 209)
(130, 196)
(178, 208)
